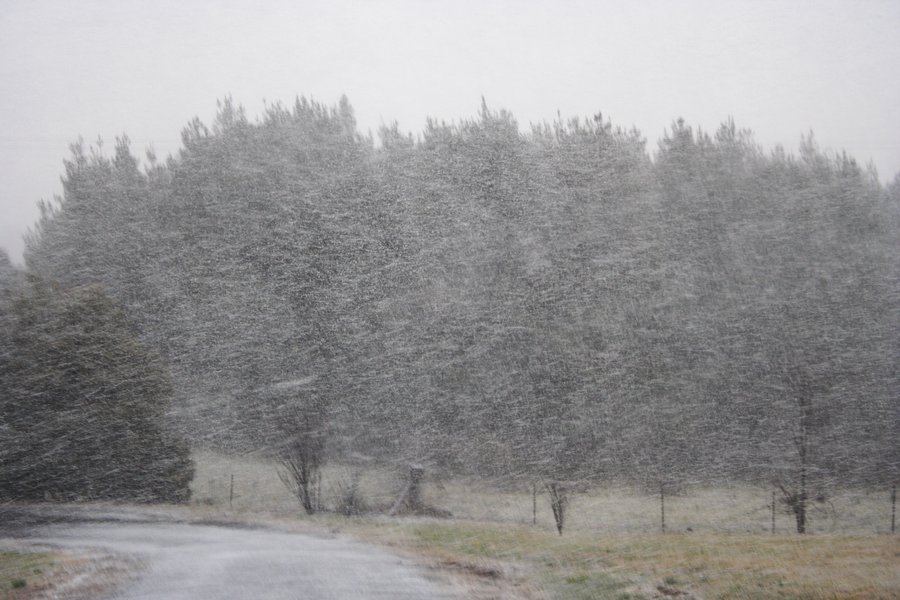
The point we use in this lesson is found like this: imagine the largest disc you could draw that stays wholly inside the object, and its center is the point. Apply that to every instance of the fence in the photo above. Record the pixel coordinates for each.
(251, 485)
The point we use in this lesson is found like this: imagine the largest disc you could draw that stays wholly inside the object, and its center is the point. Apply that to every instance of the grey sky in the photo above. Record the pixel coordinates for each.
(145, 68)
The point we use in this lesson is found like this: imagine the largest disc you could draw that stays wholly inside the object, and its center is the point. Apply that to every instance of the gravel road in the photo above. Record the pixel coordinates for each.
(191, 561)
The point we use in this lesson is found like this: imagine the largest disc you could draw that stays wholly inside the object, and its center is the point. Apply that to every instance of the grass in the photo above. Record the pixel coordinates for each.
(718, 543)
(627, 565)
(21, 573)
(34, 571)
(613, 508)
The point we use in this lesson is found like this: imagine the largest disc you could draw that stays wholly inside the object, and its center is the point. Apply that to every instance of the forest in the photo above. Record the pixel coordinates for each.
(555, 302)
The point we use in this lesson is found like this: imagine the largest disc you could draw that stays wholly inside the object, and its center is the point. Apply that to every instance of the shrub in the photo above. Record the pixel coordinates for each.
(84, 403)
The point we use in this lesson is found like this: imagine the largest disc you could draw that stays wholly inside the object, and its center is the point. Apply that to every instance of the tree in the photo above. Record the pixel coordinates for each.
(84, 403)
(10, 277)
(550, 306)
(302, 436)
(794, 486)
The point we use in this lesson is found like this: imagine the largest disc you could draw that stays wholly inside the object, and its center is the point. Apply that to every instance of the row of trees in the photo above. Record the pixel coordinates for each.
(550, 304)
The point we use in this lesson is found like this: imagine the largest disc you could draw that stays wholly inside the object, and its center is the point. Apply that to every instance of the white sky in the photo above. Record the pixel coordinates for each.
(145, 68)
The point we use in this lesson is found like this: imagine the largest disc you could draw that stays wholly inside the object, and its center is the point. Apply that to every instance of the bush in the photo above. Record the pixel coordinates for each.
(84, 403)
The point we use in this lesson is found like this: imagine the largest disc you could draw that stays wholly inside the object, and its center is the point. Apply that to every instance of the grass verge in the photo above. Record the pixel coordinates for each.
(541, 564)
(507, 561)
(22, 574)
(32, 571)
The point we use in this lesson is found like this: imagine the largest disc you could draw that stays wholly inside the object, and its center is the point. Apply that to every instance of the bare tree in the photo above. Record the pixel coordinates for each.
(348, 496)
(796, 497)
(794, 492)
(302, 456)
(300, 473)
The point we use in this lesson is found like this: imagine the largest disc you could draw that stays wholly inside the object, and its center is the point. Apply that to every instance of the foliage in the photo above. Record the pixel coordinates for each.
(83, 403)
(552, 304)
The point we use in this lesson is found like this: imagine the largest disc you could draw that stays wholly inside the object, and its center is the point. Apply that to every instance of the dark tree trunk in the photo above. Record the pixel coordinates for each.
(800, 506)
(414, 498)
(558, 501)
(410, 499)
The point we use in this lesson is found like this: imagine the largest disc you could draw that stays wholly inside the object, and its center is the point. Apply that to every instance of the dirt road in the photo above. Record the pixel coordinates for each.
(191, 561)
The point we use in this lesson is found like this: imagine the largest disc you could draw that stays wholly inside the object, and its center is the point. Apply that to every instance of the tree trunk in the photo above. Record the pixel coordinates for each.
(410, 499)
(414, 499)
(800, 506)
(800, 514)
(558, 501)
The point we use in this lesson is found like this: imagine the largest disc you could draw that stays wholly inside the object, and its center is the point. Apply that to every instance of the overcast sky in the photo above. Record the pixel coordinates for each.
(102, 68)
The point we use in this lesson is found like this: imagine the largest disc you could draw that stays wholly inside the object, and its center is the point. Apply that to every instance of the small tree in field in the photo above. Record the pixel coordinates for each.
(302, 455)
(795, 495)
(300, 472)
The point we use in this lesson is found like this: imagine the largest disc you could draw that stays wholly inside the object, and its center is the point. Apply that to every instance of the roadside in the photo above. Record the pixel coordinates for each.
(33, 571)
(30, 570)
(173, 552)
(492, 561)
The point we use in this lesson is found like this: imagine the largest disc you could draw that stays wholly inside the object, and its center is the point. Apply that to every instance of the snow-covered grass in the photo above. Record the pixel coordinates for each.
(618, 508)
(257, 487)
(717, 543)
(613, 508)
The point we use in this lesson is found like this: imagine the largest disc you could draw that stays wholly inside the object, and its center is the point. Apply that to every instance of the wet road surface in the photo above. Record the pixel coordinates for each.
(190, 561)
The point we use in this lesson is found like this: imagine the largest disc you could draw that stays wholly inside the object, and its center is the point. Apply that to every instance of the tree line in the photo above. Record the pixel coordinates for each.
(555, 303)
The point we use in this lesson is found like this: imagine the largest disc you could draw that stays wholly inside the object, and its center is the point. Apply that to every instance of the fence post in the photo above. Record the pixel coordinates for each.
(318, 490)
(533, 503)
(662, 506)
(231, 492)
(773, 513)
(893, 507)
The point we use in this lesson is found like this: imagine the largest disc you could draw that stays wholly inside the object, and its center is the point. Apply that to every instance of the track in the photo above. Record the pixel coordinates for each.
(191, 561)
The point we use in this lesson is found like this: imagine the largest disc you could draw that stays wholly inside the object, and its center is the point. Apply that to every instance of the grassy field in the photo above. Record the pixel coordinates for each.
(23, 572)
(623, 565)
(607, 509)
(717, 545)
(29, 571)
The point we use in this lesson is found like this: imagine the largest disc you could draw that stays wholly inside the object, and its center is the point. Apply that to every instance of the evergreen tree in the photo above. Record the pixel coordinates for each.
(84, 403)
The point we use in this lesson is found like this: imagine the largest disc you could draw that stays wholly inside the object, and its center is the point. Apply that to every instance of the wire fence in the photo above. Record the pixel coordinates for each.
(251, 485)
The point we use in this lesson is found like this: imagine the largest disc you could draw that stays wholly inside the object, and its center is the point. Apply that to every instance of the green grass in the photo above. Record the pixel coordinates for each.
(587, 586)
(624, 565)
(22, 572)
